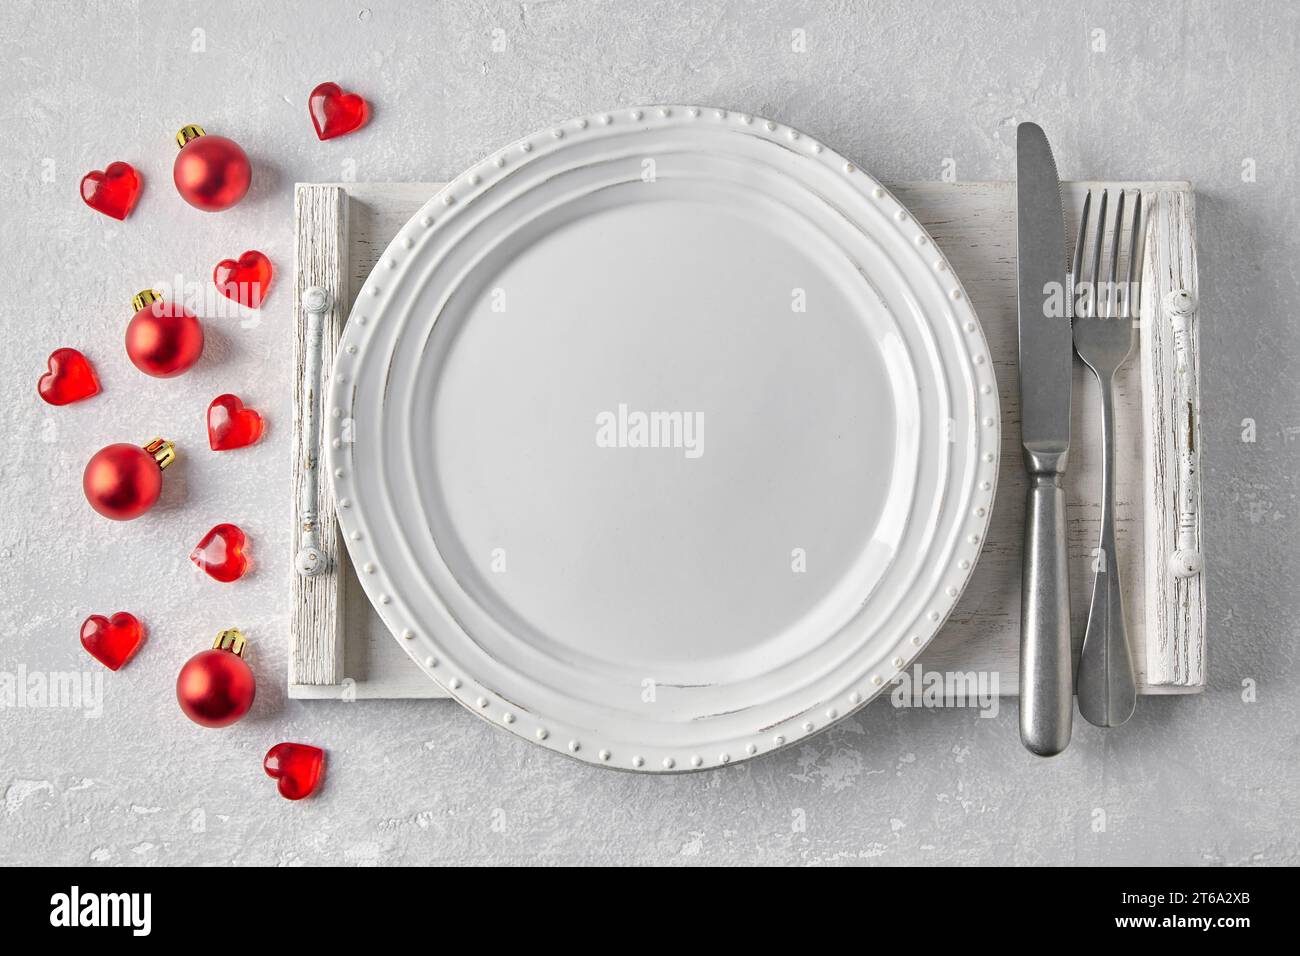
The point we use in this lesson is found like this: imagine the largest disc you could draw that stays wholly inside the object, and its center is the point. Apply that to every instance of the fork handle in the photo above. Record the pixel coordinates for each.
(1046, 682)
(1107, 685)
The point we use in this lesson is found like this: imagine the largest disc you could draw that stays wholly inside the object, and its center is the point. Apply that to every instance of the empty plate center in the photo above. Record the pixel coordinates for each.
(666, 455)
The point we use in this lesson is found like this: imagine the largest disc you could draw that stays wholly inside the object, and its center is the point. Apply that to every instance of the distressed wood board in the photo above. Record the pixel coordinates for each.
(341, 650)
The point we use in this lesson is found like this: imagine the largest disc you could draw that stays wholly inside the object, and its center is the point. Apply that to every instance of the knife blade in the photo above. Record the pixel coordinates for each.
(1046, 366)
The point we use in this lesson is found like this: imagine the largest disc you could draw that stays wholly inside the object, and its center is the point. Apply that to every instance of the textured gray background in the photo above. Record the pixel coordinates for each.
(1181, 91)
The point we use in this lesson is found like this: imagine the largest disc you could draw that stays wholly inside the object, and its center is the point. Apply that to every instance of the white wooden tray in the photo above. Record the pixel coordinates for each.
(341, 650)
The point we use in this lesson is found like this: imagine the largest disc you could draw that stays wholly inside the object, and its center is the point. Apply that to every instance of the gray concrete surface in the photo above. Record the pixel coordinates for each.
(1202, 91)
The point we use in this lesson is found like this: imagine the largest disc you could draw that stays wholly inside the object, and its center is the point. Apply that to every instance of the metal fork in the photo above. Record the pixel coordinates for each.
(1104, 335)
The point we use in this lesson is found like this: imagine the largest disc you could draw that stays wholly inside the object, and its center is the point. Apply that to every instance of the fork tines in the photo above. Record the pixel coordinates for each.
(1105, 295)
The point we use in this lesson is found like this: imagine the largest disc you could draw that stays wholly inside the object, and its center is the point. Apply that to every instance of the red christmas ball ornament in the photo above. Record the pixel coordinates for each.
(123, 481)
(162, 339)
(216, 687)
(211, 173)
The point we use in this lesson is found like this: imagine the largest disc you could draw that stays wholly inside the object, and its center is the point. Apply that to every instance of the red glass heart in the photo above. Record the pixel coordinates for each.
(245, 280)
(220, 553)
(112, 191)
(70, 378)
(298, 767)
(334, 112)
(111, 640)
(231, 425)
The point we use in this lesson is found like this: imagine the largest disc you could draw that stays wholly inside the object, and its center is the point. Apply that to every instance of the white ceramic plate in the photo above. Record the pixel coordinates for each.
(663, 438)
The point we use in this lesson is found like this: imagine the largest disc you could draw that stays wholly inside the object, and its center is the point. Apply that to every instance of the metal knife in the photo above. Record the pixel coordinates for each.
(1046, 367)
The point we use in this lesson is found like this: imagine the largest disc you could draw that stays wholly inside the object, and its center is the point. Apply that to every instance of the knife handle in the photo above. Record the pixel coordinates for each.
(1046, 677)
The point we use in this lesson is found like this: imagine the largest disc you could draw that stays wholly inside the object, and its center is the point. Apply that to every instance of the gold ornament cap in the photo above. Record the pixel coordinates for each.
(188, 133)
(147, 297)
(163, 451)
(230, 640)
